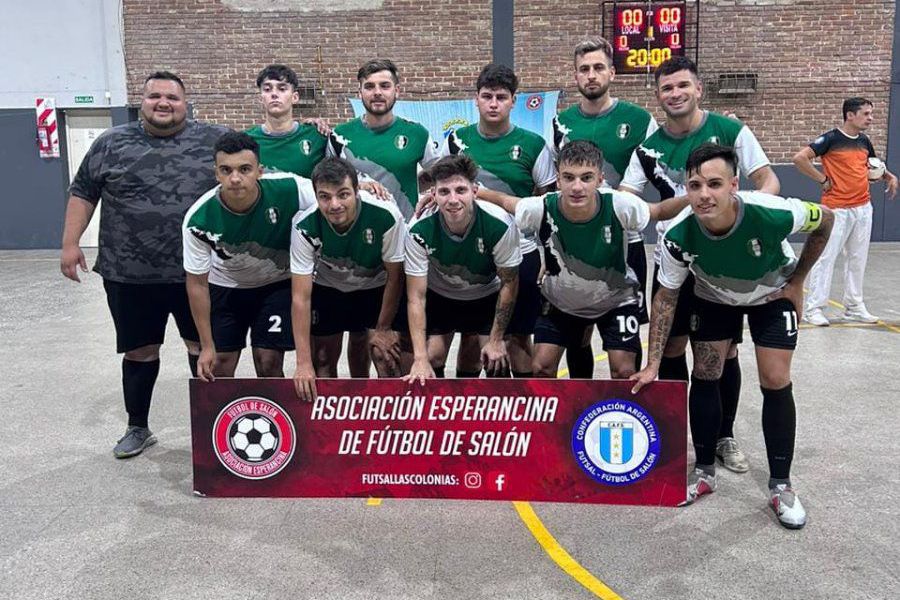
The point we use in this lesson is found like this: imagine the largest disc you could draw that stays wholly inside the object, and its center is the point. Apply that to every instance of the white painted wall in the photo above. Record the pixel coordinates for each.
(62, 49)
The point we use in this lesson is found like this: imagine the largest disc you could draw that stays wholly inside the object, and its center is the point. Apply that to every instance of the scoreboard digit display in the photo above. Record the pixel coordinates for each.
(647, 33)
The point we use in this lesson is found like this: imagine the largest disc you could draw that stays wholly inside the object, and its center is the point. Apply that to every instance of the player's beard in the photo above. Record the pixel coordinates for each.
(388, 107)
(594, 94)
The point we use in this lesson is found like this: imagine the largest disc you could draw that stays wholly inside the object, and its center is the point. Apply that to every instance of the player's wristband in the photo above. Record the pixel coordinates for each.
(826, 180)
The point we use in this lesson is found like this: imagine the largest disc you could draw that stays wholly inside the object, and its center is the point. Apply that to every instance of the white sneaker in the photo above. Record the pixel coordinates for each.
(860, 315)
(700, 483)
(787, 507)
(816, 317)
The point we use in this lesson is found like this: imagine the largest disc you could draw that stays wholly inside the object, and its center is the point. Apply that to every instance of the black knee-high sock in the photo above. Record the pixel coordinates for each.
(460, 374)
(779, 423)
(581, 362)
(673, 368)
(192, 362)
(439, 372)
(730, 392)
(706, 413)
(138, 379)
(523, 374)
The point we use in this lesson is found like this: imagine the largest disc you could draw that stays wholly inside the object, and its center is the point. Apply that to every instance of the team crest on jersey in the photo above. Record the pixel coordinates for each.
(480, 244)
(254, 438)
(623, 130)
(515, 152)
(713, 139)
(305, 147)
(607, 234)
(401, 142)
(369, 236)
(754, 247)
(272, 215)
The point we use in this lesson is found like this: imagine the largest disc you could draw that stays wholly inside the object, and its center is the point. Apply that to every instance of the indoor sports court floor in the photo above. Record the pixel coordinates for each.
(78, 524)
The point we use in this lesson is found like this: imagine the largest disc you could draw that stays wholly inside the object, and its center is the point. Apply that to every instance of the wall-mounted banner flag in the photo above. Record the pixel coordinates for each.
(481, 439)
(533, 111)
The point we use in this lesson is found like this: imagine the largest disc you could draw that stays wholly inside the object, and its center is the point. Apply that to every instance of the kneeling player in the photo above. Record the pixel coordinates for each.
(355, 244)
(462, 256)
(584, 232)
(237, 257)
(735, 244)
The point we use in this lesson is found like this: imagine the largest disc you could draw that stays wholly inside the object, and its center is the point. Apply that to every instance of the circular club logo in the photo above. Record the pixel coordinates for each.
(254, 438)
(534, 102)
(616, 442)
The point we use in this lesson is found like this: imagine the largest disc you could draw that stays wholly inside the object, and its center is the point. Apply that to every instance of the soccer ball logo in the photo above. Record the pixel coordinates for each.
(253, 437)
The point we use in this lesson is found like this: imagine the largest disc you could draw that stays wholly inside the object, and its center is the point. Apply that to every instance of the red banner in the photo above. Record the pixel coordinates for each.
(479, 439)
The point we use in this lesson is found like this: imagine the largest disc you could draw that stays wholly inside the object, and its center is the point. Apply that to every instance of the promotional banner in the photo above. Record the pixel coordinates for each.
(479, 439)
(533, 111)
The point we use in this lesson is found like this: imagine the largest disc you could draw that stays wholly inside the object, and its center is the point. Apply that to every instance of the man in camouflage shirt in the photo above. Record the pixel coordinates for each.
(147, 174)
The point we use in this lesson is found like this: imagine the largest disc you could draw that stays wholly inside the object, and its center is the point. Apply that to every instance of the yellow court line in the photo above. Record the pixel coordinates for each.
(559, 554)
(373, 502)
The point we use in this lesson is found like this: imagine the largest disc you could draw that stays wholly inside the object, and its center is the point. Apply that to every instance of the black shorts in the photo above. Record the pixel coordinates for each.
(772, 325)
(619, 328)
(265, 311)
(637, 260)
(528, 300)
(445, 315)
(334, 311)
(140, 312)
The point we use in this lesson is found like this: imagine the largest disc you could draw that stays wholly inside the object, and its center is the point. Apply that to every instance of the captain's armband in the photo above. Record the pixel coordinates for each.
(813, 214)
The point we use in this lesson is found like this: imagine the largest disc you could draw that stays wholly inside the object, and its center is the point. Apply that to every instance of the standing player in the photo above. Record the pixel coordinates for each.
(463, 257)
(584, 232)
(517, 162)
(387, 148)
(284, 144)
(844, 152)
(355, 245)
(660, 160)
(735, 244)
(147, 174)
(616, 127)
(236, 255)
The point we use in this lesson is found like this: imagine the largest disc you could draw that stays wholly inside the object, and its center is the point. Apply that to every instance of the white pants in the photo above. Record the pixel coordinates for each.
(849, 237)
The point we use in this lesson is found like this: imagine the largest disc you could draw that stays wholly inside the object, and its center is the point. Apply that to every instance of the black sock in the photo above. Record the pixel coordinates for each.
(779, 423)
(639, 358)
(706, 412)
(730, 392)
(673, 368)
(438, 372)
(581, 362)
(523, 374)
(192, 362)
(138, 379)
(460, 374)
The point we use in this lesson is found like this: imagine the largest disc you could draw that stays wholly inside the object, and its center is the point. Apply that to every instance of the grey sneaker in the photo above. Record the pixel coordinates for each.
(133, 442)
(787, 507)
(860, 315)
(729, 454)
(700, 483)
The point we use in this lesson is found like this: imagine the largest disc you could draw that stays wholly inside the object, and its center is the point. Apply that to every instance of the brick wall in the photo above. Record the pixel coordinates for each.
(808, 55)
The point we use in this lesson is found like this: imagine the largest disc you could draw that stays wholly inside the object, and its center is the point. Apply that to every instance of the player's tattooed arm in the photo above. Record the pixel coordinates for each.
(812, 250)
(493, 354)
(662, 313)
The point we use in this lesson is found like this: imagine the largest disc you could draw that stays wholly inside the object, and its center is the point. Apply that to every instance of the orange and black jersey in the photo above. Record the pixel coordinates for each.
(845, 160)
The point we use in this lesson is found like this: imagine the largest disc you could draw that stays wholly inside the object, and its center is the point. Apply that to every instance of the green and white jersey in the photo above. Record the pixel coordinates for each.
(617, 131)
(746, 264)
(352, 260)
(662, 157)
(390, 155)
(463, 267)
(586, 272)
(297, 151)
(251, 249)
(515, 163)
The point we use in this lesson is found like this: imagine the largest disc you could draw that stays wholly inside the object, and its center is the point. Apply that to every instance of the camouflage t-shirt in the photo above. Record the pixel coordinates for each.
(147, 184)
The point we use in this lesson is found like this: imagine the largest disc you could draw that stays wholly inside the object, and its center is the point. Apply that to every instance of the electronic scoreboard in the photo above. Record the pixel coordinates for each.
(647, 33)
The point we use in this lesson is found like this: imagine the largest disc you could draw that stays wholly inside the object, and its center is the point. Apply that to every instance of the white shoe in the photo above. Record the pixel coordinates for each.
(787, 507)
(816, 317)
(860, 315)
